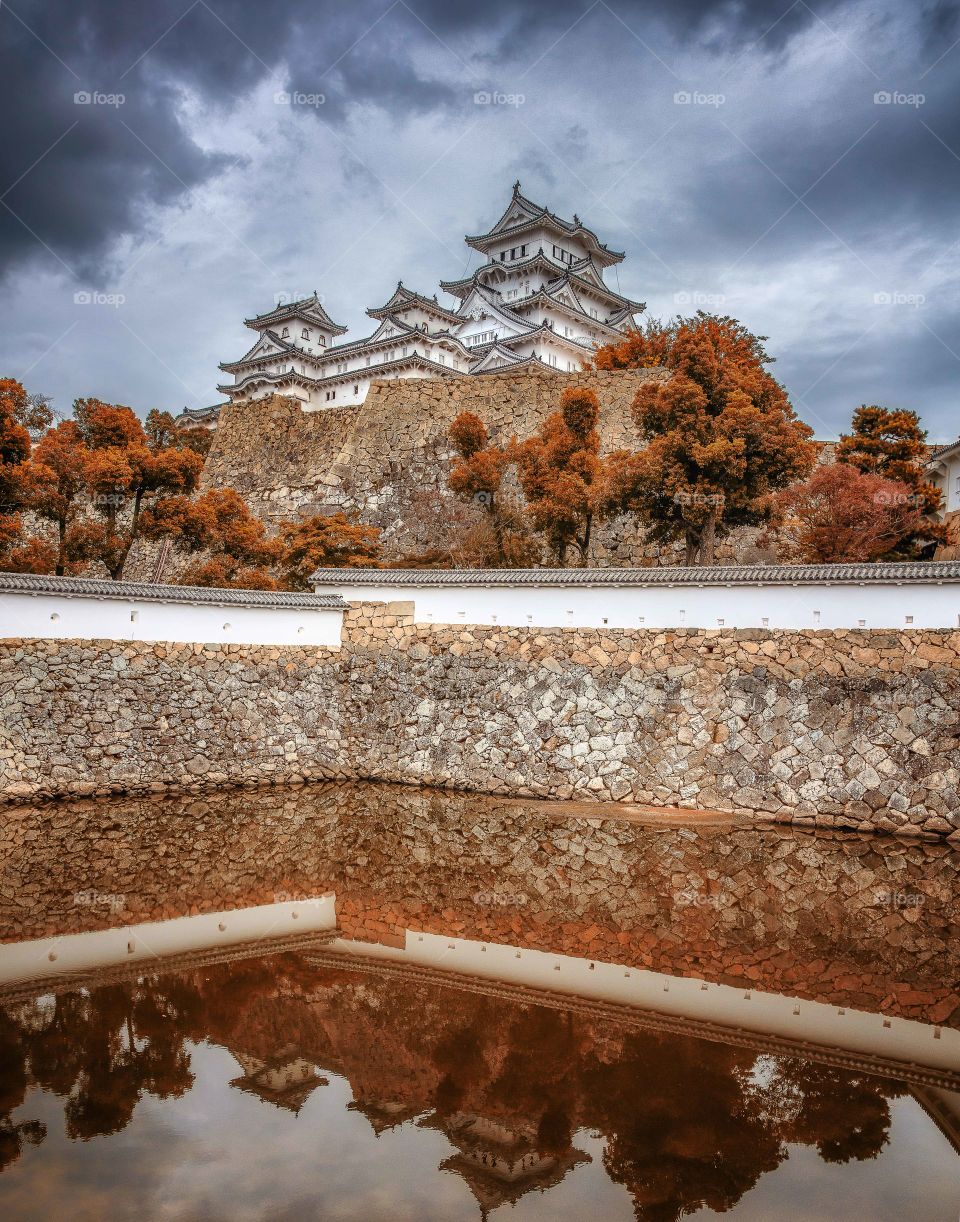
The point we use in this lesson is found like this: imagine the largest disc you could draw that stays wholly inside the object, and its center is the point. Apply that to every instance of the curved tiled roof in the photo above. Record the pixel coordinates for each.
(85, 587)
(721, 575)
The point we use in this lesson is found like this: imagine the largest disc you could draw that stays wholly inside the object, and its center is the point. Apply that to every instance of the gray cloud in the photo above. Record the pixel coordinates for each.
(199, 197)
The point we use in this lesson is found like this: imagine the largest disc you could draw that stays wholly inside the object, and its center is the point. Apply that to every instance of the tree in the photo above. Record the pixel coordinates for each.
(502, 540)
(163, 431)
(325, 542)
(14, 452)
(561, 474)
(54, 485)
(641, 349)
(237, 550)
(841, 515)
(721, 436)
(891, 443)
(126, 471)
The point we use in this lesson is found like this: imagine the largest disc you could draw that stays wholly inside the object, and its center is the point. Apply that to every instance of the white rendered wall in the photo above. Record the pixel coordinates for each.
(85, 618)
(772, 606)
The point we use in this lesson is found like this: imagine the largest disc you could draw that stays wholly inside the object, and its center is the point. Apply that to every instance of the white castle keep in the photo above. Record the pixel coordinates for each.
(539, 301)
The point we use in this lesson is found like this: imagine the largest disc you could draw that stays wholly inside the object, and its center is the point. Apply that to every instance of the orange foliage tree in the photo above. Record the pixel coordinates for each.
(843, 515)
(561, 474)
(721, 436)
(321, 542)
(477, 478)
(126, 471)
(891, 444)
(14, 452)
(236, 550)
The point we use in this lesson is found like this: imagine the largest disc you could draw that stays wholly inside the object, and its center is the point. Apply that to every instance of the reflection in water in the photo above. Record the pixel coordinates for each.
(686, 1123)
(353, 1088)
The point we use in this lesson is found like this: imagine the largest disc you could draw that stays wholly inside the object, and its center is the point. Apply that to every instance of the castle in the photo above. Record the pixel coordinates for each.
(539, 301)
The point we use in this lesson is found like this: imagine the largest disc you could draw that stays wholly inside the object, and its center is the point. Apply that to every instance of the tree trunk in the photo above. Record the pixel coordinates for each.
(61, 546)
(693, 546)
(708, 539)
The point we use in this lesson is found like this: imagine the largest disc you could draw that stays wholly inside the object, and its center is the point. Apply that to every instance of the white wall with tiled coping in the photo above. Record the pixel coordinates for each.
(870, 605)
(71, 616)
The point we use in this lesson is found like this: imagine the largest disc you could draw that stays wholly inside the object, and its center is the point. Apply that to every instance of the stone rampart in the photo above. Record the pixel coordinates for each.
(855, 729)
(380, 459)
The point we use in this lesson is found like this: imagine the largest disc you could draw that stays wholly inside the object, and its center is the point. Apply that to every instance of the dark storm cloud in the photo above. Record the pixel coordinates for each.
(101, 166)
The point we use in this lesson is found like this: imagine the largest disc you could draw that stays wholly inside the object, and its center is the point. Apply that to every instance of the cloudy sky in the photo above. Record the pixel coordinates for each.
(168, 169)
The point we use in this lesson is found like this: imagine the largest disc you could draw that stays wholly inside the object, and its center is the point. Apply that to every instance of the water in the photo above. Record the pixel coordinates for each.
(366, 1002)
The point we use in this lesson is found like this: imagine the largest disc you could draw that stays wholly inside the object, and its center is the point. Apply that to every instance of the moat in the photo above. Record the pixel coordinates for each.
(374, 1002)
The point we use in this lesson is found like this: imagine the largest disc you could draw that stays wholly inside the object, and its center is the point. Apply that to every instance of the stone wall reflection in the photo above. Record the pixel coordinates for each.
(862, 921)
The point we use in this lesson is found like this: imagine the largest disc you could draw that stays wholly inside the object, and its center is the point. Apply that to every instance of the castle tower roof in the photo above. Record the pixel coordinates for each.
(308, 309)
(522, 216)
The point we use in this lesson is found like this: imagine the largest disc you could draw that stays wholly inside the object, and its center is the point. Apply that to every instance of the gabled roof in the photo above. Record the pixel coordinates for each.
(491, 298)
(254, 356)
(308, 309)
(491, 353)
(404, 298)
(941, 452)
(522, 215)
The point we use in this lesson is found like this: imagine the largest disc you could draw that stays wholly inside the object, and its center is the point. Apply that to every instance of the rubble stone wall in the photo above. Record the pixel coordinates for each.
(380, 460)
(855, 729)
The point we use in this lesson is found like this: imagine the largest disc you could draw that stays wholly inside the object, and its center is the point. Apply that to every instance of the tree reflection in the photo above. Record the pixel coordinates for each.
(687, 1124)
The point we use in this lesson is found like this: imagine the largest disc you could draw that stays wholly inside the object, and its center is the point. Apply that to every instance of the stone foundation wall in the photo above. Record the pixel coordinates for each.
(381, 459)
(853, 729)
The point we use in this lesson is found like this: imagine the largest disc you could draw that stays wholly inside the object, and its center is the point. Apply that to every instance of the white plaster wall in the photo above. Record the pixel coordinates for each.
(773, 606)
(750, 1009)
(58, 617)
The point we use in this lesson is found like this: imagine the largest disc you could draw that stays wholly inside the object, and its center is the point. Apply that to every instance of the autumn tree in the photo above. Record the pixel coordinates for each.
(54, 485)
(842, 515)
(325, 541)
(641, 348)
(163, 432)
(126, 471)
(891, 444)
(561, 474)
(477, 478)
(720, 435)
(229, 543)
(14, 452)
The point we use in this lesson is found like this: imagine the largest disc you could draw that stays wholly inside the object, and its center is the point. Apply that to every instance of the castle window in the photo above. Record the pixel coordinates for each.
(403, 352)
(321, 340)
(304, 334)
(356, 388)
(285, 333)
(368, 360)
(503, 256)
